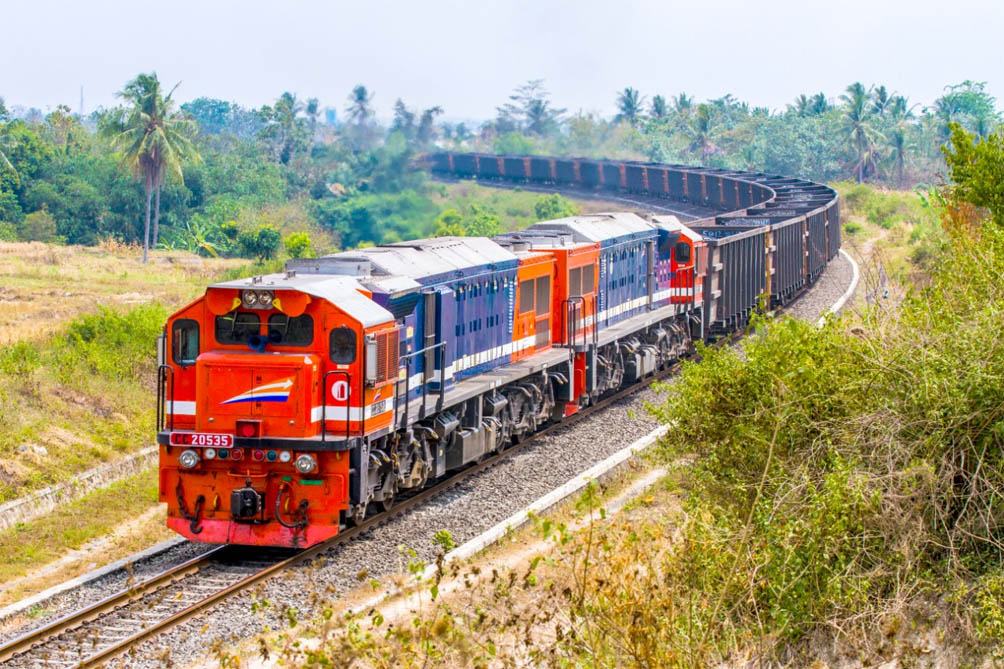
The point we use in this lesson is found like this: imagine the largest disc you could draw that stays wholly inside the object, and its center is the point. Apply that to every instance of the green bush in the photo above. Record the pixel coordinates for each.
(831, 466)
(550, 207)
(111, 344)
(262, 243)
(8, 232)
(298, 245)
(19, 359)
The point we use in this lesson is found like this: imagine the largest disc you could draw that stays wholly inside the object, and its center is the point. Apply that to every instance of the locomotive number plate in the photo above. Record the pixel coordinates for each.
(202, 439)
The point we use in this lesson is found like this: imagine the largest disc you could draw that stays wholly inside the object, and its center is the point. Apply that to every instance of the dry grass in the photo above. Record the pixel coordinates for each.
(102, 527)
(43, 285)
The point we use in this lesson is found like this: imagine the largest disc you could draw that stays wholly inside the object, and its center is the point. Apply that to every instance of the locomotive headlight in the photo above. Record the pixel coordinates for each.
(305, 464)
(265, 298)
(188, 459)
(249, 298)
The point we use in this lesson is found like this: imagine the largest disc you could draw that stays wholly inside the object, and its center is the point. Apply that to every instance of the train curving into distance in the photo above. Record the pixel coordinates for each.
(291, 404)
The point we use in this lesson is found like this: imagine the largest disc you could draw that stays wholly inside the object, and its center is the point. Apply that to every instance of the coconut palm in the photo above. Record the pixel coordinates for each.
(360, 105)
(660, 110)
(629, 106)
(861, 133)
(154, 141)
(901, 115)
(700, 132)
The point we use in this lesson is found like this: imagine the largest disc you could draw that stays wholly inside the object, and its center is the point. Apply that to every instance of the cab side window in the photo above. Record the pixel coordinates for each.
(184, 341)
(682, 252)
(342, 346)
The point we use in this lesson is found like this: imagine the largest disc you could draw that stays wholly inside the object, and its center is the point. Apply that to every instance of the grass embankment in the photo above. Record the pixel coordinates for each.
(841, 504)
(77, 371)
(96, 517)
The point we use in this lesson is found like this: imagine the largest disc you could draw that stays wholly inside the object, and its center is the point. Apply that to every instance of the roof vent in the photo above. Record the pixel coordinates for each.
(335, 265)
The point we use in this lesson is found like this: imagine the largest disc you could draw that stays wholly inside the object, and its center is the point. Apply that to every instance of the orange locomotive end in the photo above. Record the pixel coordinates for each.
(261, 386)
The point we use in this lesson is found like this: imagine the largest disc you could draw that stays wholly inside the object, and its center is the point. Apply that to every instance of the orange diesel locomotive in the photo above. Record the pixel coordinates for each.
(291, 404)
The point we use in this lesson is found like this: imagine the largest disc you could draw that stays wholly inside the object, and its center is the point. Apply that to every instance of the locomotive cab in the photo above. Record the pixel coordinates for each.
(264, 382)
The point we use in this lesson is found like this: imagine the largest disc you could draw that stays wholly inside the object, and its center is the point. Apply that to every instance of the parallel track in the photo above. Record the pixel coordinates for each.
(111, 627)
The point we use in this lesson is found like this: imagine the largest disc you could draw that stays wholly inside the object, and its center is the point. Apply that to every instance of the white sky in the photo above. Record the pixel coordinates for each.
(467, 56)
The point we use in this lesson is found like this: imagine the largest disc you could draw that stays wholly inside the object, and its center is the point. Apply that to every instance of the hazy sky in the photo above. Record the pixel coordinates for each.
(467, 56)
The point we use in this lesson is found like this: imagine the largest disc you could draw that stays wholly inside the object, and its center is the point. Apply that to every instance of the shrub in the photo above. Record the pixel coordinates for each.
(39, 226)
(19, 359)
(298, 245)
(262, 243)
(111, 344)
(8, 232)
(550, 207)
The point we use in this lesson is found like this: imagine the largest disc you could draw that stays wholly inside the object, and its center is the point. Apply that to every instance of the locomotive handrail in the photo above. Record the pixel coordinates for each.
(162, 373)
(570, 306)
(348, 403)
(439, 357)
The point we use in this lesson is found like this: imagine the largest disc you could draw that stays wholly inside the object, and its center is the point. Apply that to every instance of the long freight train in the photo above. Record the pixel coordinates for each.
(291, 404)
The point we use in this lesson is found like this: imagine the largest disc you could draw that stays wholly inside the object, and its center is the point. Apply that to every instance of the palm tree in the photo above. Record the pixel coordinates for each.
(880, 100)
(360, 105)
(818, 105)
(700, 132)
(154, 140)
(857, 122)
(901, 114)
(801, 106)
(629, 105)
(660, 110)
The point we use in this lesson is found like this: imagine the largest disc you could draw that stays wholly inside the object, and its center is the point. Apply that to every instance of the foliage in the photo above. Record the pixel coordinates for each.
(977, 169)
(110, 344)
(550, 207)
(262, 243)
(39, 226)
(298, 245)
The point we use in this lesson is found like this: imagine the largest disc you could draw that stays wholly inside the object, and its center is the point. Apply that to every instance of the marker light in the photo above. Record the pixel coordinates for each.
(285, 456)
(249, 298)
(223, 454)
(188, 459)
(271, 455)
(210, 453)
(236, 454)
(257, 455)
(305, 463)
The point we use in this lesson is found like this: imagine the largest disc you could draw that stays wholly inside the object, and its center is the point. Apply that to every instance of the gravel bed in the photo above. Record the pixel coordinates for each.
(465, 511)
(825, 292)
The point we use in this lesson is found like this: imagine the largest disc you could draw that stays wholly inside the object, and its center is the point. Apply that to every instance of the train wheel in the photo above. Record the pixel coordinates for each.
(386, 503)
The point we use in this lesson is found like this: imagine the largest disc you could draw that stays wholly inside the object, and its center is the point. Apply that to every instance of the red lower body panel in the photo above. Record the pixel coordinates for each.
(271, 534)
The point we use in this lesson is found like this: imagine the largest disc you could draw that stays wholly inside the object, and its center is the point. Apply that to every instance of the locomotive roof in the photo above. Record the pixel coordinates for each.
(341, 291)
(604, 228)
(419, 259)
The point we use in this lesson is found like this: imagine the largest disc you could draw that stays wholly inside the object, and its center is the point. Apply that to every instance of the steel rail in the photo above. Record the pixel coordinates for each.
(26, 642)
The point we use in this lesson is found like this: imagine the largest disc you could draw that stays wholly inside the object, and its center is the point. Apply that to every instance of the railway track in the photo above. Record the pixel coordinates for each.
(113, 626)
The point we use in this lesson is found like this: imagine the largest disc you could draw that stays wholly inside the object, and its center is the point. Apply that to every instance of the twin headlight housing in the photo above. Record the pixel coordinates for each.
(257, 299)
(304, 463)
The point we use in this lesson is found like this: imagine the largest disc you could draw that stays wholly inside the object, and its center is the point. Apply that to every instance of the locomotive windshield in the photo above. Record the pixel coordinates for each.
(236, 327)
(286, 331)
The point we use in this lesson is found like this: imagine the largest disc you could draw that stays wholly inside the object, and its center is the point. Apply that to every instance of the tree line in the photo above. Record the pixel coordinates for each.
(217, 178)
